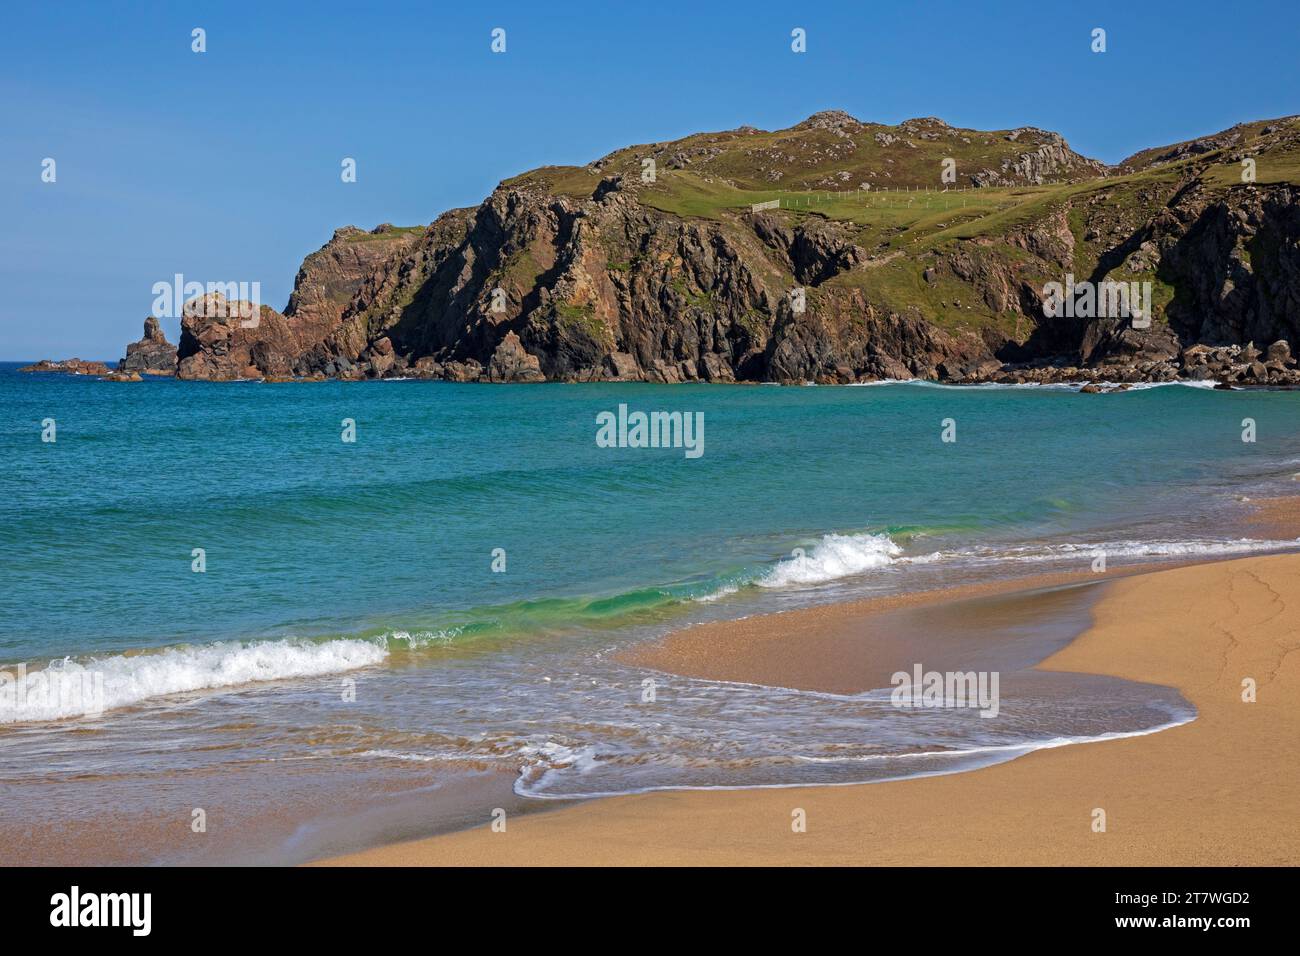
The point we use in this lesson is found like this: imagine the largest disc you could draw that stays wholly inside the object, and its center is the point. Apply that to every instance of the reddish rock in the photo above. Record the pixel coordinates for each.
(511, 363)
(72, 366)
(220, 344)
(152, 355)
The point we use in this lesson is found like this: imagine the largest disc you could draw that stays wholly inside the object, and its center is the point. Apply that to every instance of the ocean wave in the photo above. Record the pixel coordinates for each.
(89, 686)
(83, 688)
(414, 640)
(725, 591)
(885, 381)
(1144, 386)
(835, 556)
(845, 555)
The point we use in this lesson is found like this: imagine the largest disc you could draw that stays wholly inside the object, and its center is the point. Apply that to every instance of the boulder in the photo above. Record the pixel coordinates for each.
(622, 366)
(512, 363)
(1280, 352)
(467, 371)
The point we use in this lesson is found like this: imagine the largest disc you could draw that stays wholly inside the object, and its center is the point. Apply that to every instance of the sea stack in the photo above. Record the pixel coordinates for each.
(152, 355)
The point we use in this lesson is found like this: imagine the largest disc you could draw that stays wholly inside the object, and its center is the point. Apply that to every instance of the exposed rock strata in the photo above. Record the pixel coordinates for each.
(589, 274)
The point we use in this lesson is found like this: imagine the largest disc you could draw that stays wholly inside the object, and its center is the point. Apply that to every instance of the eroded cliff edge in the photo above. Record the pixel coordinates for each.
(604, 272)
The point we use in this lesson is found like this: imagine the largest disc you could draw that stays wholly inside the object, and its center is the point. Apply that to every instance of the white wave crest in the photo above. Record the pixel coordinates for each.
(835, 556)
(88, 687)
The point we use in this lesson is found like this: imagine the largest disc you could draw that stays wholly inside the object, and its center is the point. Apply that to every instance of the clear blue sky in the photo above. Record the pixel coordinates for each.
(225, 165)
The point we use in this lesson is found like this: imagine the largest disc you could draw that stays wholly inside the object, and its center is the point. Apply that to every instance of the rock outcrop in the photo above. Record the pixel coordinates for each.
(152, 355)
(510, 363)
(608, 273)
(72, 366)
(222, 341)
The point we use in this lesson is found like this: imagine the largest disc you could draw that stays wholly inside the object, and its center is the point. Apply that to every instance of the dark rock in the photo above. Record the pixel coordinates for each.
(152, 355)
(592, 284)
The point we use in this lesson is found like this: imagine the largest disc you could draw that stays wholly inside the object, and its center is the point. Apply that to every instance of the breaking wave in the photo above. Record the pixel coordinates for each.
(84, 688)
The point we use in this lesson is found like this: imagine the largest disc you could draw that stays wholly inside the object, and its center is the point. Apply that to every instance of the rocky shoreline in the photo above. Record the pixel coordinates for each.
(1229, 367)
(599, 273)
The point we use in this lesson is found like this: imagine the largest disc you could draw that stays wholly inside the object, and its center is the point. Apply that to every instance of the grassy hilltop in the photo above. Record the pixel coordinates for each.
(921, 249)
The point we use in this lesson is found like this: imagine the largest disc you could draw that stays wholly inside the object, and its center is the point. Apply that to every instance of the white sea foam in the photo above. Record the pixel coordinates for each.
(724, 591)
(885, 381)
(1143, 386)
(1043, 386)
(530, 784)
(417, 639)
(835, 556)
(1128, 549)
(844, 555)
(86, 687)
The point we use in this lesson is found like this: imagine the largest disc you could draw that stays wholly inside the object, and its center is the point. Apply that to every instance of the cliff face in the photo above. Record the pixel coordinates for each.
(218, 344)
(650, 265)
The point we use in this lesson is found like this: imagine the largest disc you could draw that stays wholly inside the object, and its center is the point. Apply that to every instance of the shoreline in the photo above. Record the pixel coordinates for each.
(759, 649)
(1097, 383)
(1211, 791)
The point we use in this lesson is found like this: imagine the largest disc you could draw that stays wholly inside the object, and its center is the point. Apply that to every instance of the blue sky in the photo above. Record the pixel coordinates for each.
(225, 165)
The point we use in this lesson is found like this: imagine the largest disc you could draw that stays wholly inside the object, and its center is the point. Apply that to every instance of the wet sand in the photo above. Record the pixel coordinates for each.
(1221, 790)
(1279, 517)
(853, 646)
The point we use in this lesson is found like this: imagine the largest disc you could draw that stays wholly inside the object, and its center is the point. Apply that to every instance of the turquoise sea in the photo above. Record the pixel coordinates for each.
(470, 565)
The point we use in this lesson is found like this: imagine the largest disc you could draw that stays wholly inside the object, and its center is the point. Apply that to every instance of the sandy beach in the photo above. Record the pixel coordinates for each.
(1220, 790)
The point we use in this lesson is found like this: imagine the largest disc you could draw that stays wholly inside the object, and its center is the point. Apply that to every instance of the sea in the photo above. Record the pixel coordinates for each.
(262, 623)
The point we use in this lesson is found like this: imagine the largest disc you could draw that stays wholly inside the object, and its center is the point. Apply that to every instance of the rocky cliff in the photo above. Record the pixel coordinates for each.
(918, 250)
(220, 341)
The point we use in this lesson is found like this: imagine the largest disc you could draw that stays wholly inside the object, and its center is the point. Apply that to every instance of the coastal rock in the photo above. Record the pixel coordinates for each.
(226, 340)
(330, 277)
(468, 371)
(216, 345)
(593, 274)
(73, 366)
(511, 363)
(152, 355)
(1280, 353)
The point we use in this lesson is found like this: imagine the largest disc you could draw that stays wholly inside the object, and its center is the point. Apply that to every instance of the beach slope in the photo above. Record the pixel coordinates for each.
(1221, 790)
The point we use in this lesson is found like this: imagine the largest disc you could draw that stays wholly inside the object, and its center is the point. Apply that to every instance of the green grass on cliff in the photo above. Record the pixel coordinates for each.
(906, 221)
(388, 234)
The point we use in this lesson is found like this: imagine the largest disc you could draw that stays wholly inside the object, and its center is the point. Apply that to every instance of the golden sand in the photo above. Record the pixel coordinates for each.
(1223, 789)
